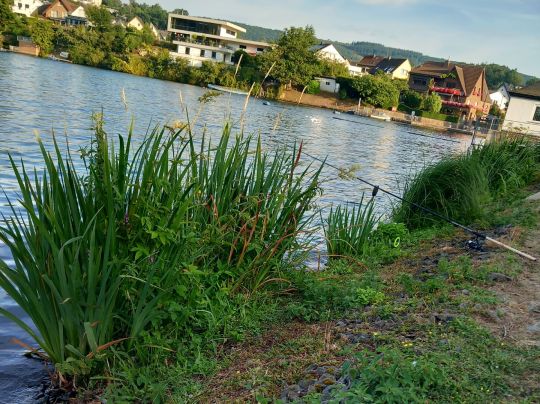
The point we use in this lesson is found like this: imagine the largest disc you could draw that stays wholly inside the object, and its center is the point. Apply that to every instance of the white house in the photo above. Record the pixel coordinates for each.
(523, 113)
(204, 39)
(502, 95)
(329, 52)
(136, 23)
(79, 12)
(26, 7)
(96, 3)
(328, 84)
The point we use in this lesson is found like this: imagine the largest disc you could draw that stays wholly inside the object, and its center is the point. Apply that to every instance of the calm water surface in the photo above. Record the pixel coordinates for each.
(40, 96)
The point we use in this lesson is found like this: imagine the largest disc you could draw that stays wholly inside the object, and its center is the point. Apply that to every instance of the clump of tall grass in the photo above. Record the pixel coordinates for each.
(509, 163)
(456, 187)
(347, 231)
(147, 236)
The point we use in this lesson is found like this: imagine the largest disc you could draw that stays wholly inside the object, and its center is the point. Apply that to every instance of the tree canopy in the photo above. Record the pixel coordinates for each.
(294, 62)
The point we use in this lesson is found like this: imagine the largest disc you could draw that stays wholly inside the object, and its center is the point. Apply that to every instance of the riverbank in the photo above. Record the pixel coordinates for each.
(457, 321)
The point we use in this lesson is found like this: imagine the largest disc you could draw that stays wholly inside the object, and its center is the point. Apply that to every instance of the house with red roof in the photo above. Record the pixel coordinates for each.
(463, 88)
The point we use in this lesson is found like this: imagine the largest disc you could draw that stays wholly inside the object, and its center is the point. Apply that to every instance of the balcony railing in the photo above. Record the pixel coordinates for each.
(445, 90)
(204, 42)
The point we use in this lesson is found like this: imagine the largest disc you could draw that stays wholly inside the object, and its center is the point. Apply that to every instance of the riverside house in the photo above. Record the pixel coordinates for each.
(64, 12)
(204, 39)
(523, 113)
(463, 88)
(26, 7)
(394, 67)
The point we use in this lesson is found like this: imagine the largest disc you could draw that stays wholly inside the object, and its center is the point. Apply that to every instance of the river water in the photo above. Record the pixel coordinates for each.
(38, 96)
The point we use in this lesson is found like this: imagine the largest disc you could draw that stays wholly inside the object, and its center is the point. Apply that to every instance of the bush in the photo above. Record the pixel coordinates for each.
(313, 87)
(509, 164)
(432, 103)
(162, 234)
(412, 99)
(378, 90)
(456, 187)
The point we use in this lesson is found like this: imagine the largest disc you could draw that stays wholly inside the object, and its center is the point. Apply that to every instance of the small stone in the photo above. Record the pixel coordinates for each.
(533, 197)
(535, 328)
(327, 379)
(534, 307)
(305, 383)
(465, 292)
(444, 318)
(498, 277)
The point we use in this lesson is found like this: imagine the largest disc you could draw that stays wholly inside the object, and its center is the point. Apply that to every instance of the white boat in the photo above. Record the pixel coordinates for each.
(227, 89)
(381, 116)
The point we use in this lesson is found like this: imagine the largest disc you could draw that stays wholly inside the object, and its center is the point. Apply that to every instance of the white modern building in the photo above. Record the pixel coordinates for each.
(204, 39)
(26, 7)
(523, 113)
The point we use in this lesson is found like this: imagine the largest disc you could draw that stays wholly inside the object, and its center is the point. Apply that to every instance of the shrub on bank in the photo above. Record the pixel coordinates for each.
(459, 187)
(154, 237)
(455, 187)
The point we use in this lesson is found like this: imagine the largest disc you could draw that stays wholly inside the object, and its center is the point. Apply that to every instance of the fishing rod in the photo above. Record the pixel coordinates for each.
(377, 188)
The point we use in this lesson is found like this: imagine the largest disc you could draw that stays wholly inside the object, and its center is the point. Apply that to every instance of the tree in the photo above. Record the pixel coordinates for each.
(295, 63)
(412, 99)
(332, 68)
(6, 15)
(43, 35)
(100, 16)
(532, 81)
(432, 103)
(180, 11)
(378, 90)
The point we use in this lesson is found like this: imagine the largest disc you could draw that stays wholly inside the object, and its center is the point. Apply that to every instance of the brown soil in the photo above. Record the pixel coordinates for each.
(280, 354)
(322, 100)
(519, 300)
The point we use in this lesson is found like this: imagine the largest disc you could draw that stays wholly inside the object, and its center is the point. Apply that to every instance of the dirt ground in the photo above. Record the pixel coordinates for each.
(519, 307)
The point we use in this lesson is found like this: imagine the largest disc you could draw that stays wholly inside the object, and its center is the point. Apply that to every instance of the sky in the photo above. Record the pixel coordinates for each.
(500, 31)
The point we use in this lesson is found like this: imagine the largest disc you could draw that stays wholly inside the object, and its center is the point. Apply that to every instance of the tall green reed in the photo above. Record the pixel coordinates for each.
(143, 235)
(347, 231)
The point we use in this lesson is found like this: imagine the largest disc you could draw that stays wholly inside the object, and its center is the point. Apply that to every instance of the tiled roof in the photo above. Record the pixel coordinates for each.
(532, 91)
(388, 65)
(69, 6)
(321, 46)
(370, 61)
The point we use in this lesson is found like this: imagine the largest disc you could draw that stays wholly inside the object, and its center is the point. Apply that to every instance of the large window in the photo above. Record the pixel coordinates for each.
(194, 26)
(188, 51)
(536, 116)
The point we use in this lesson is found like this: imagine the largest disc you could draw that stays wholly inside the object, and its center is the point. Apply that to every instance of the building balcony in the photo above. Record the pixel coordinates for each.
(204, 44)
(456, 104)
(445, 90)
